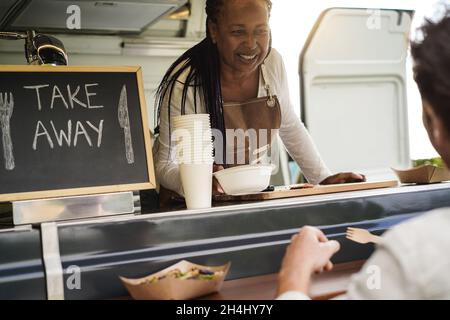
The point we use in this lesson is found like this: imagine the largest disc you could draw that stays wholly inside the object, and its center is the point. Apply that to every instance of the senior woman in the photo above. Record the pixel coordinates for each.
(236, 77)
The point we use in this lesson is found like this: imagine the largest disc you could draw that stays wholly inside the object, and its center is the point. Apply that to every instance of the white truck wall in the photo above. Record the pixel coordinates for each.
(354, 90)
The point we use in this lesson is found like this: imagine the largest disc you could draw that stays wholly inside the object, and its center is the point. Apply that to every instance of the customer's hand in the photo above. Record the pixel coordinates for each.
(310, 251)
(344, 177)
(216, 188)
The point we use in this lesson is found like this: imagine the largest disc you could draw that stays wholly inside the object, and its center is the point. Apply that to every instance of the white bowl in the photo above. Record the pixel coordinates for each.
(244, 179)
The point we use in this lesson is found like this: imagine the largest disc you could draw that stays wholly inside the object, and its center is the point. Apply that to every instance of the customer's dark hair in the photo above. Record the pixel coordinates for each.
(432, 66)
(202, 63)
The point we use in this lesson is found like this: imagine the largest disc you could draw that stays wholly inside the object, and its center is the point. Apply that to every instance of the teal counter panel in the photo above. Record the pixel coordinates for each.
(21, 269)
(253, 239)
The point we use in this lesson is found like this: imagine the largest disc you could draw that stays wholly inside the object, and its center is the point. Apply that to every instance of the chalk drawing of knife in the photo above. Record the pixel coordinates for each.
(124, 121)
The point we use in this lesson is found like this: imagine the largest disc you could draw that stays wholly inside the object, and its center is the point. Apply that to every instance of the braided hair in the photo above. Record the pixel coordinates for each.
(203, 65)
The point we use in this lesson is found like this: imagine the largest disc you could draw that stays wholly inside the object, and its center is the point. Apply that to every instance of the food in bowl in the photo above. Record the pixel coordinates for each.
(181, 281)
(244, 179)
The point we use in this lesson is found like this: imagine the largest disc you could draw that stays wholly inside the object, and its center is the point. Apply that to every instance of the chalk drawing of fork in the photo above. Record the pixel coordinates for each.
(6, 110)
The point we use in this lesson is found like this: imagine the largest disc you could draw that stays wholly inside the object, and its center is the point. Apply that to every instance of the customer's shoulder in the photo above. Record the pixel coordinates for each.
(437, 219)
(419, 248)
(426, 230)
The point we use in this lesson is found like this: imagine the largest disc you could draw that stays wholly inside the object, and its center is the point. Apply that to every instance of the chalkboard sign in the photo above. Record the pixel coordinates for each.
(72, 131)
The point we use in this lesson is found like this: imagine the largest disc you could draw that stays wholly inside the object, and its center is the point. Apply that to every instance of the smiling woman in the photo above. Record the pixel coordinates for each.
(242, 37)
(236, 77)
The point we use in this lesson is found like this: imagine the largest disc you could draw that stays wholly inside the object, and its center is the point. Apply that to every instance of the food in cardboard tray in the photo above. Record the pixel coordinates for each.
(181, 281)
(192, 274)
(423, 174)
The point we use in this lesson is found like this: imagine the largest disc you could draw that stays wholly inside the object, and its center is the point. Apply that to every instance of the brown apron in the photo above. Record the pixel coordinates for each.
(250, 127)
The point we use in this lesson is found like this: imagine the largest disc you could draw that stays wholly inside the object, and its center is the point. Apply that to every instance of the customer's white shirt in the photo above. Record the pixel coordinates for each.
(411, 262)
(292, 132)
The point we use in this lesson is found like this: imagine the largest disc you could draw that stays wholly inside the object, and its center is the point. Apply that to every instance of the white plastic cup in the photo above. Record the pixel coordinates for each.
(190, 135)
(188, 151)
(192, 116)
(197, 184)
(191, 123)
(193, 145)
(201, 157)
(191, 120)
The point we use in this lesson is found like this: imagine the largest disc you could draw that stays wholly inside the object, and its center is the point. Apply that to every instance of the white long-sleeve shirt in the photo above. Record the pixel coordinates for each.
(293, 133)
(411, 262)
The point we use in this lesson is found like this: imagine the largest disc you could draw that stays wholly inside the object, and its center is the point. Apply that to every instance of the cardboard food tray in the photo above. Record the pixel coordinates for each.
(316, 190)
(171, 288)
(423, 174)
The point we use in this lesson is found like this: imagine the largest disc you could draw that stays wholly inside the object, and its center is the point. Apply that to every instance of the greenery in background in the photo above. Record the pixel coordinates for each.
(433, 161)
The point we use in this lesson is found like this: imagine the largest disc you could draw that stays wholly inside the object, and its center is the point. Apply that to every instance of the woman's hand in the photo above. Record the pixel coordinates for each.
(216, 188)
(310, 251)
(344, 177)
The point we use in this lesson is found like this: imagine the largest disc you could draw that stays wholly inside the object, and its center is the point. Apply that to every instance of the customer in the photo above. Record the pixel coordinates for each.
(413, 258)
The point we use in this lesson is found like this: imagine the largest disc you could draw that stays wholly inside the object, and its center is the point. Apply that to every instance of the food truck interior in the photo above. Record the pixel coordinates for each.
(350, 80)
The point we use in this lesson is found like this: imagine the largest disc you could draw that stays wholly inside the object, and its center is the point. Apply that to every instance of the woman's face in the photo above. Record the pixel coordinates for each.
(242, 35)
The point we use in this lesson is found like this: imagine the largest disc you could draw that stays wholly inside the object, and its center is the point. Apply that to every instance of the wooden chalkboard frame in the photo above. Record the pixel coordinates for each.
(151, 184)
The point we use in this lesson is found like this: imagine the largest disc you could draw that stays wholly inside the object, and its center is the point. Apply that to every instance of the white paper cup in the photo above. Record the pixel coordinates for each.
(191, 120)
(193, 138)
(203, 156)
(191, 134)
(191, 147)
(191, 129)
(197, 185)
(191, 125)
(193, 116)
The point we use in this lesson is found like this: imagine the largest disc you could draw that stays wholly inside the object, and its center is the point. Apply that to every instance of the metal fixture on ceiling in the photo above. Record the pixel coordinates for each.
(99, 17)
(39, 48)
(181, 13)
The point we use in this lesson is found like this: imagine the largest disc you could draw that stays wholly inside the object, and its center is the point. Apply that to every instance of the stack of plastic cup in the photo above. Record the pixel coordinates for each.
(194, 154)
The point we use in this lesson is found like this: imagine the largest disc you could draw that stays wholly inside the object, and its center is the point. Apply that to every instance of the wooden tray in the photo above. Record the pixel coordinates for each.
(320, 189)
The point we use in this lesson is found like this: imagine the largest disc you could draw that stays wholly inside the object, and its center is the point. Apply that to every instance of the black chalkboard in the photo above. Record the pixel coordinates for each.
(71, 131)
